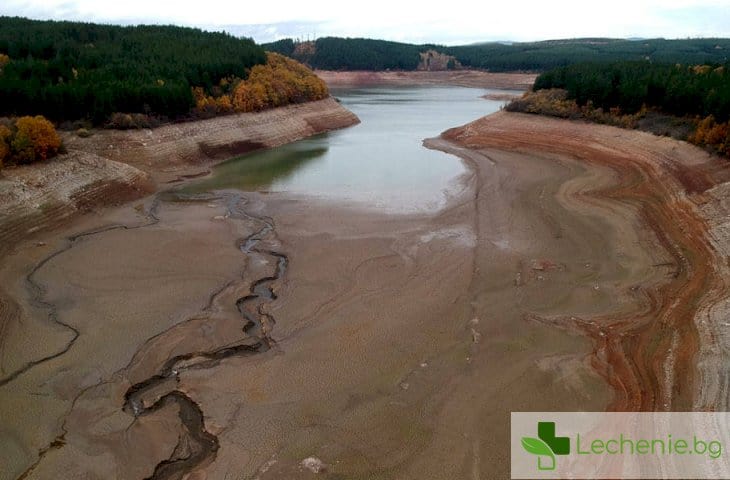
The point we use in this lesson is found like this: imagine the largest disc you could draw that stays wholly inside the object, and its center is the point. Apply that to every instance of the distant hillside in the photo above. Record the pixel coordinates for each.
(103, 73)
(333, 53)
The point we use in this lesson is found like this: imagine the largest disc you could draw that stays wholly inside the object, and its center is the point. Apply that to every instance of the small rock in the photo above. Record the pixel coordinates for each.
(404, 385)
(596, 287)
(314, 464)
(424, 364)
(475, 336)
(219, 217)
(475, 321)
(40, 244)
(212, 205)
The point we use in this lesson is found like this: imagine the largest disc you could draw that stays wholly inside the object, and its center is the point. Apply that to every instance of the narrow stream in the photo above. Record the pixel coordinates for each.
(161, 389)
(380, 163)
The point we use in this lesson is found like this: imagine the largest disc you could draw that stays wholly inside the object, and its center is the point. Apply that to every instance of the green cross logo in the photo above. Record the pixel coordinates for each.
(546, 445)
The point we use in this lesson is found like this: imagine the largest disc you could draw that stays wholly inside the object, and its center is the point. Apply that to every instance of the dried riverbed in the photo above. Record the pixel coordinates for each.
(575, 267)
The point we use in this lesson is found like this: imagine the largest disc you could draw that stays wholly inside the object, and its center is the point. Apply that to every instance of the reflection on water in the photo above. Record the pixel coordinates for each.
(380, 163)
(259, 170)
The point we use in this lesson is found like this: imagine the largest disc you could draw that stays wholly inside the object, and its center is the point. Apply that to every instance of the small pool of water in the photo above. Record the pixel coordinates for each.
(380, 163)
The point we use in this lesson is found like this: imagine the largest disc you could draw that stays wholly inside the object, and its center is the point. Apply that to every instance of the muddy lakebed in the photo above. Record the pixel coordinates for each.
(357, 304)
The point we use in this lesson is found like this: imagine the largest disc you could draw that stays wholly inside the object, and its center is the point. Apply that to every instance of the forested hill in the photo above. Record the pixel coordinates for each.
(333, 53)
(72, 71)
(639, 95)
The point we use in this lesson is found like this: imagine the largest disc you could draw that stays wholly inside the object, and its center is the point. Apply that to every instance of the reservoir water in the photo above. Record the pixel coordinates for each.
(380, 163)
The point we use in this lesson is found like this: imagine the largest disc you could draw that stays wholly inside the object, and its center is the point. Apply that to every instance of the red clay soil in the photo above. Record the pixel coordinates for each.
(666, 185)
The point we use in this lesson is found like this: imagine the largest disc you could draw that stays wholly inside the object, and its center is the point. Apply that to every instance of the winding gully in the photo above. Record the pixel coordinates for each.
(196, 446)
(38, 291)
(160, 390)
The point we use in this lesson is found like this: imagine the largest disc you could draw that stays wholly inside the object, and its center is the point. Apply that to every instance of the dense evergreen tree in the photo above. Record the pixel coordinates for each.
(331, 53)
(540, 56)
(363, 54)
(285, 47)
(72, 70)
(676, 89)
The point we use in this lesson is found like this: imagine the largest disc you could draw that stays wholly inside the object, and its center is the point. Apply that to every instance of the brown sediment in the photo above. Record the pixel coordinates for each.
(402, 342)
(114, 166)
(463, 78)
(196, 446)
(172, 150)
(230, 150)
(160, 389)
(39, 197)
(501, 96)
(47, 195)
(648, 356)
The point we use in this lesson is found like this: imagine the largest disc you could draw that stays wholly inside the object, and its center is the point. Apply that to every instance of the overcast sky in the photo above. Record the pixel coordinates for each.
(446, 22)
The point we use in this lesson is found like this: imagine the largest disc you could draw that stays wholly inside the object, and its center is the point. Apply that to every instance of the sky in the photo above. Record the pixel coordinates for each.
(450, 22)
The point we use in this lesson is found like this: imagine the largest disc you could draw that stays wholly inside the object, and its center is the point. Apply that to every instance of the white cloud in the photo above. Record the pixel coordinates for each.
(455, 21)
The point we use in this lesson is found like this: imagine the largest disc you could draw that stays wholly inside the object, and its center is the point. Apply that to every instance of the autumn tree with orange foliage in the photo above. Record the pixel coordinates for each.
(28, 139)
(712, 134)
(281, 81)
(35, 139)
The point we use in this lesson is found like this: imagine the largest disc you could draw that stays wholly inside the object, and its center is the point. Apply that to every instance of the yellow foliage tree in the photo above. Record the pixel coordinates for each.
(35, 139)
(716, 135)
(223, 104)
(280, 81)
(709, 132)
(703, 128)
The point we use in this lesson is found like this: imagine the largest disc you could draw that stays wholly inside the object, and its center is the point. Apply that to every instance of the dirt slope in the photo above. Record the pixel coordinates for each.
(171, 150)
(668, 352)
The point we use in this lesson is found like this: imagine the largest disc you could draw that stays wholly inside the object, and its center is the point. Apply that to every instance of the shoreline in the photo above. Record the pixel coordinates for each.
(401, 342)
(112, 167)
(681, 198)
(171, 152)
(463, 78)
